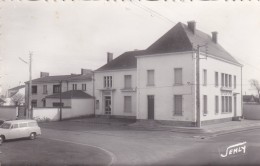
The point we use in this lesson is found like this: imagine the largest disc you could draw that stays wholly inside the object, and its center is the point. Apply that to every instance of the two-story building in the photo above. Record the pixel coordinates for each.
(46, 86)
(163, 80)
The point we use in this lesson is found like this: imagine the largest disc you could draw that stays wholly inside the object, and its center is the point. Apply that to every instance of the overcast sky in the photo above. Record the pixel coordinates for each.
(67, 36)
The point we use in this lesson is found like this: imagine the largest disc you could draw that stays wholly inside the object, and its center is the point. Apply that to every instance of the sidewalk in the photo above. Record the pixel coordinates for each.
(213, 129)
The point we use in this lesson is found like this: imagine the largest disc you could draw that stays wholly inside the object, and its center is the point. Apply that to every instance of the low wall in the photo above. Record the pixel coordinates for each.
(8, 112)
(251, 111)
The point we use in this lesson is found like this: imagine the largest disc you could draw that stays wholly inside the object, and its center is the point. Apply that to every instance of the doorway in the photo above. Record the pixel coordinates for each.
(107, 105)
(150, 106)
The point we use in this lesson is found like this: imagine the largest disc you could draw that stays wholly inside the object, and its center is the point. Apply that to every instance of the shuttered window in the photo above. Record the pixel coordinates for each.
(128, 81)
(205, 104)
(128, 104)
(178, 76)
(216, 105)
(177, 104)
(150, 77)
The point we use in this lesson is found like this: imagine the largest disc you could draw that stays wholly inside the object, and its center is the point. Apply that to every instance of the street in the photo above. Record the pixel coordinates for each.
(77, 143)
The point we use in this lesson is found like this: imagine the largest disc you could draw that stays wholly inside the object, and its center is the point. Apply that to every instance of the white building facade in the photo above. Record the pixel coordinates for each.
(163, 80)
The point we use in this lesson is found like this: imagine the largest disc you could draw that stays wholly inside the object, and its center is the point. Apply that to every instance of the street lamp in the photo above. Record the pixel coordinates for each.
(28, 115)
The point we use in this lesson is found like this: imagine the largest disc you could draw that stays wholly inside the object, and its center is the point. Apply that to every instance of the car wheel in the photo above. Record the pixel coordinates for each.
(32, 136)
(1, 139)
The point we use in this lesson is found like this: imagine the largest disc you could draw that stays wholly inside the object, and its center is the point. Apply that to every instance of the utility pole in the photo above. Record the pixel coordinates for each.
(198, 112)
(29, 109)
(60, 101)
(198, 122)
(30, 87)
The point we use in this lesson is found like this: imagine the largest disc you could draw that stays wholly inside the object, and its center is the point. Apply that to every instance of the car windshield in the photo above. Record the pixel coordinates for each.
(5, 126)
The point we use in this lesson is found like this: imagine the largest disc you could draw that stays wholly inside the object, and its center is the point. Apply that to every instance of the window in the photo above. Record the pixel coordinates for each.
(97, 104)
(34, 89)
(226, 104)
(205, 104)
(107, 81)
(74, 86)
(222, 79)
(32, 124)
(34, 103)
(216, 105)
(235, 82)
(127, 104)
(128, 81)
(223, 103)
(15, 126)
(44, 91)
(84, 87)
(178, 76)
(57, 104)
(23, 125)
(177, 104)
(56, 88)
(226, 80)
(235, 103)
(230, 81)
(204, 77)
(216, 78)
(150, 77)
(230, 104)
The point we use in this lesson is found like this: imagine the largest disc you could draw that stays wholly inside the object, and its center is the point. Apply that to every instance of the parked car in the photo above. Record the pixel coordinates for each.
(1, 121)
(19, 129)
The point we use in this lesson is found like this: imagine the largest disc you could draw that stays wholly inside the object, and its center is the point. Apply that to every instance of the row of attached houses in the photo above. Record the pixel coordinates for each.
(159, 83)
(47, 90)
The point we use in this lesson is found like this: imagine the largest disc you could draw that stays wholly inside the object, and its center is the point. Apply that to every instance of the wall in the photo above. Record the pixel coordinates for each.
(50, 113)
(251, 111)
(79, 107)
(50, 101)
(213, 65)
(117, 91)
(8, 112)
(164, 88)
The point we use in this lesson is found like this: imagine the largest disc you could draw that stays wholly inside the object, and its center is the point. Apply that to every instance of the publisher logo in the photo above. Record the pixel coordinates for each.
(234, 150)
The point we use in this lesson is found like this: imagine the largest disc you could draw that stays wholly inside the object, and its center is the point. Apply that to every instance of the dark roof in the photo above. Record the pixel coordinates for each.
(17, 87)
(72, 94)
(72, 77)
(2, 101)
(126, 60)
(177, 39)
(249, 98)
(180, 38)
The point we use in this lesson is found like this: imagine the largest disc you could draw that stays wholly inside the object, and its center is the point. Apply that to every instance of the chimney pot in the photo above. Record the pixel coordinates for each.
(109, 56)
(215, 37)
(44, 74)
(192, 26)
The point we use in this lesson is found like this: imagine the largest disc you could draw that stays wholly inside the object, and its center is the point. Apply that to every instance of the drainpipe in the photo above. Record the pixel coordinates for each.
(93, 80)
(242, 111)
(60, 101)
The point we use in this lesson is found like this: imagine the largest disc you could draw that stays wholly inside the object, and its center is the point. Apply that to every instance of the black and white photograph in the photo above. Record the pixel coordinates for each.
(130, 82)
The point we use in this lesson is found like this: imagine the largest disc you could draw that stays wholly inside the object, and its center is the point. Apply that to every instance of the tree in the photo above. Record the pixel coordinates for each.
(255, 84)
(18, 99)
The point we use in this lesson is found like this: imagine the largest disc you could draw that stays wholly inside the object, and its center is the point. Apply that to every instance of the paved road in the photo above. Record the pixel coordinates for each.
(42, 151)
(207, 152)
(129, 147)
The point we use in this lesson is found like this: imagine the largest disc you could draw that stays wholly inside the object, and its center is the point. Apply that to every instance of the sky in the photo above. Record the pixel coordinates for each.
(65, 36)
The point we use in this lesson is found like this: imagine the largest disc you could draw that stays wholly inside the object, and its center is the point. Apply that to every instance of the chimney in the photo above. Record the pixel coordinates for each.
(192, 26)
(215, 37)
(86, 71)
(109, 57)
(44, 74)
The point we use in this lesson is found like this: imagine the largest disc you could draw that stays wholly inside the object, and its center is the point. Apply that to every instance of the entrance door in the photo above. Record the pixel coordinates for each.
(150, 99)
(107, 105)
